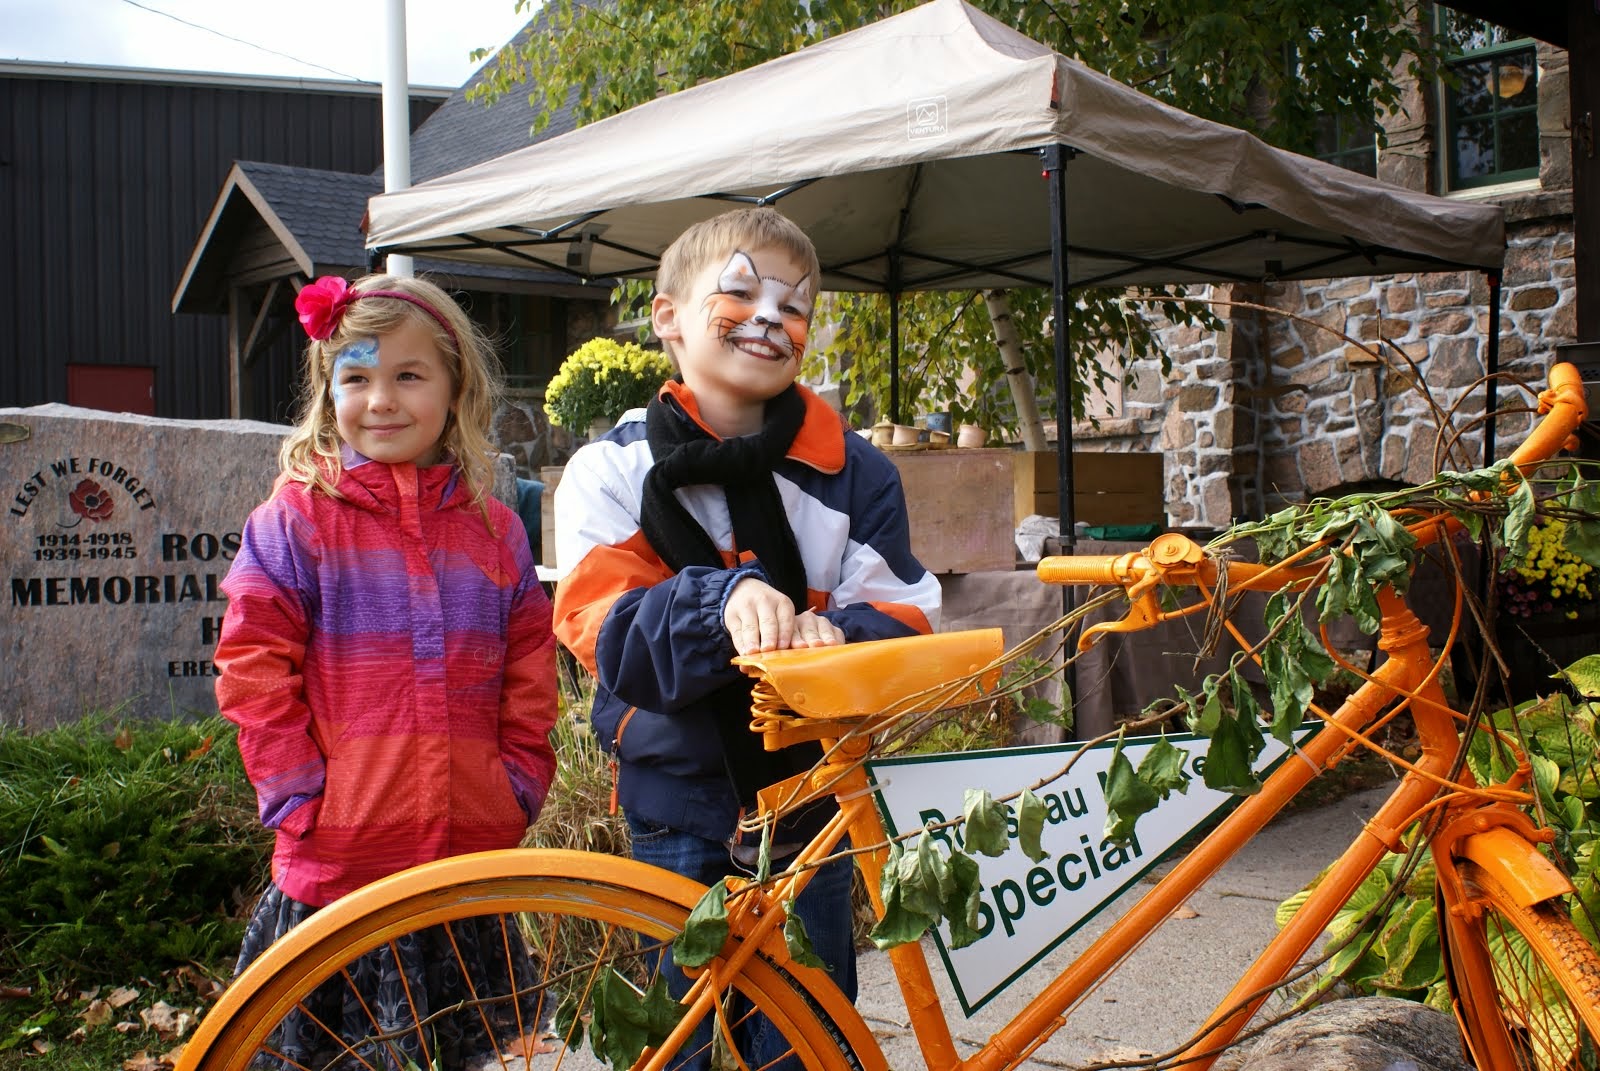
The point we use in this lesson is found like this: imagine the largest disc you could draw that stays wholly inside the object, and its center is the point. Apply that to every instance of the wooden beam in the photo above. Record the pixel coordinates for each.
(235, 361)
(260, 321)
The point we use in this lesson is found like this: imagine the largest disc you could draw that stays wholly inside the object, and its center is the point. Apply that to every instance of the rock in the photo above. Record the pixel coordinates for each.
(1359, 1034)
(118, 531)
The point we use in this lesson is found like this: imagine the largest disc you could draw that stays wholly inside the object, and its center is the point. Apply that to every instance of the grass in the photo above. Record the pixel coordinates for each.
(128, 852)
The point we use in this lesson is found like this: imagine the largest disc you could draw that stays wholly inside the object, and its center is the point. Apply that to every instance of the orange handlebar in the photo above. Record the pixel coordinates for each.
(1564, 407)
(1081, 569)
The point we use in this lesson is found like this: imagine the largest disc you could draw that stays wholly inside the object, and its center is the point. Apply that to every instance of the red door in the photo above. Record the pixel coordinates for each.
(119, 388)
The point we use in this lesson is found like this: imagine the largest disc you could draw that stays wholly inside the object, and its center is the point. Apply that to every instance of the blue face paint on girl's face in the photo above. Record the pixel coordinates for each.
(362, 353)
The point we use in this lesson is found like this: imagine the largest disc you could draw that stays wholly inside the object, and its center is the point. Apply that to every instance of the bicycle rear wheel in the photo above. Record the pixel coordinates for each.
(1541, 1009)
(519, 934)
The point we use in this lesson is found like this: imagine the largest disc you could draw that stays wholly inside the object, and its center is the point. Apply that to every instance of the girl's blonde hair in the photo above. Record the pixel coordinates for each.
(311, 452)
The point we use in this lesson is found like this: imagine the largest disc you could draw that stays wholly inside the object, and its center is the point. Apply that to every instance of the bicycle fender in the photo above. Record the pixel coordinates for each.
(1516, 863)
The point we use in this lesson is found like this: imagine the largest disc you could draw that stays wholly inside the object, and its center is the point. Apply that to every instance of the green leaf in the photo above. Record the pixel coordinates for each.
(706, 930)
(960, 899)
(900, 924)
(764, 855)
(1230, 760)
(619, 1026)
(1127, 797)
(985, 823)
(1162, 768)
(1520, 515)
(1582, 538)
(1584, 675)
(662, 1011)
(569, 1026)
(1030, 825)
(798, 941)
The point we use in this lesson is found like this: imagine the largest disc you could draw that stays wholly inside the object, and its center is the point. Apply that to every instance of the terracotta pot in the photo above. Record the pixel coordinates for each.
(971, 435)
(882, 433)
(905, 434)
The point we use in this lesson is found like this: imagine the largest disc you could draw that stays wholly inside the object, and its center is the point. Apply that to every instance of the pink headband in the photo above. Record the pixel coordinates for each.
(322, 306)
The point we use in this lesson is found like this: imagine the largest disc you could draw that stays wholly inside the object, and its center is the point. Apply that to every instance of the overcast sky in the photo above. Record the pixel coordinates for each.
(300, 38)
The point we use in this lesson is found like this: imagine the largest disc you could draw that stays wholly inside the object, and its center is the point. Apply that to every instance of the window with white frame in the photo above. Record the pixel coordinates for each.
(1491, 104)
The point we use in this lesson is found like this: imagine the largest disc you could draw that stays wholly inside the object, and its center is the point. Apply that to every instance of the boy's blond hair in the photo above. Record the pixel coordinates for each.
(716, 239)
(311, 452)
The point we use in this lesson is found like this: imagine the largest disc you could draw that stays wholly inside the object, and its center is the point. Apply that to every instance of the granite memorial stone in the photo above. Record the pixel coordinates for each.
(118, 532)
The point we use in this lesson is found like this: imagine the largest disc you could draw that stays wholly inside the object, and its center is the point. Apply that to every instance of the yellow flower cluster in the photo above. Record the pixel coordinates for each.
(601, 380)
(1551, 569)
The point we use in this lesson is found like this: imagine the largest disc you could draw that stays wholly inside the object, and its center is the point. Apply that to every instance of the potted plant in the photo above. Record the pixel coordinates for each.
(601, 380)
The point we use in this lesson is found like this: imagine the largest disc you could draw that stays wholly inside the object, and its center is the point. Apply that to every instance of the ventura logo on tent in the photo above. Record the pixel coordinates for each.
(927, 118)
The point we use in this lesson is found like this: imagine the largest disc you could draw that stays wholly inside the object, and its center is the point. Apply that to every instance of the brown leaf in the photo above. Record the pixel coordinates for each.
(122, 996)
(41, 1046)
(126, 1027)
(531, 1045)
(1184, 911)
(98, 1013)
(143, 1061)
(200, 752)
(124, 739)
(168, 1022)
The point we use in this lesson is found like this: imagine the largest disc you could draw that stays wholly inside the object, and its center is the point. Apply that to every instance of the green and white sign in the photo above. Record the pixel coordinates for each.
(1027, 908)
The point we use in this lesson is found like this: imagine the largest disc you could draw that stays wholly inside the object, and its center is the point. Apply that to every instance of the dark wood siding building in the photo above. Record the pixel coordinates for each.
(106, 177)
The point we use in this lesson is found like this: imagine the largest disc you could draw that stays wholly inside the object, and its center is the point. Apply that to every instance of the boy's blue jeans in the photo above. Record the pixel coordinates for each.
(824, 907)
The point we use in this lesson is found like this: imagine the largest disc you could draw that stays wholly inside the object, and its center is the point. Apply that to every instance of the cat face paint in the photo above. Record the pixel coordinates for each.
(362, 353)
(764, 316)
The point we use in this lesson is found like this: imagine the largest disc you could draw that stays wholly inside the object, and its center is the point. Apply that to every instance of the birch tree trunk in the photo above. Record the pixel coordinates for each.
(1005, 337)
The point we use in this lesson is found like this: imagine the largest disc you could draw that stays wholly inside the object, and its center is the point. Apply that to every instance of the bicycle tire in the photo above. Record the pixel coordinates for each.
(598, 901)
(1545, 1008)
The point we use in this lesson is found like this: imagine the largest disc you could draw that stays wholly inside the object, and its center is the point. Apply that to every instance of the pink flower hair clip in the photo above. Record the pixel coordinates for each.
(321, 306)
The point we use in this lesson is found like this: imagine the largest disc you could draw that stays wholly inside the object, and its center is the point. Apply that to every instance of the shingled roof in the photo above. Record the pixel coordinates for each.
(314, 217)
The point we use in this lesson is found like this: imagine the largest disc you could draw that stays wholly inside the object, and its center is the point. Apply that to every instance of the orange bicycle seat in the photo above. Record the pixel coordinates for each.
(858, 679)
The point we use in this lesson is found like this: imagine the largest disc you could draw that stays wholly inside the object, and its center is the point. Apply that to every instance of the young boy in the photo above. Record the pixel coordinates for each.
(736, 515)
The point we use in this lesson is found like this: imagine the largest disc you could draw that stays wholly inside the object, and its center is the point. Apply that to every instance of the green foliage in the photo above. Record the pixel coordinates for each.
(1389, 928)
(125, 848)
(601, 380)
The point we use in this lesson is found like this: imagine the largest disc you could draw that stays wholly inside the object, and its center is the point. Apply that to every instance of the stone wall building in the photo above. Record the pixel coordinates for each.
(1313, 388)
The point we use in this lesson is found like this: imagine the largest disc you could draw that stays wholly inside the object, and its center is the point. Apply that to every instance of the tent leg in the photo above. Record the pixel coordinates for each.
(1491, 363)
(1055, 169)
(894, 355)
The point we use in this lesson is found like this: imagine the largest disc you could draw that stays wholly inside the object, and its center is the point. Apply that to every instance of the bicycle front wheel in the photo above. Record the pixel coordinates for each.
(1537, 1004)
(525, 940)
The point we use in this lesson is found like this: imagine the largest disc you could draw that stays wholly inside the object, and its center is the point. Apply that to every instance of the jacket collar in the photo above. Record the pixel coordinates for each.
(820, 443)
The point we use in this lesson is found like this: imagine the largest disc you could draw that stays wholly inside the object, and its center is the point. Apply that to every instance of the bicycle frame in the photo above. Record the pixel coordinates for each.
(1484, 827)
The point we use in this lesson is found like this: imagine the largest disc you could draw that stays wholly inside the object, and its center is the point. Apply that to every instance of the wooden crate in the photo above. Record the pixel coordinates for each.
(550, 475)
(959, 506)
(1106, 488)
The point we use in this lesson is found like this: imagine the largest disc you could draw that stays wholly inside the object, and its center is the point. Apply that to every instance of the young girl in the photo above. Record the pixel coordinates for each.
(387, 651)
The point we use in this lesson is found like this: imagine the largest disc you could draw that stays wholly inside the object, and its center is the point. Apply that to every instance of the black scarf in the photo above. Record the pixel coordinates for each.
(686, 455)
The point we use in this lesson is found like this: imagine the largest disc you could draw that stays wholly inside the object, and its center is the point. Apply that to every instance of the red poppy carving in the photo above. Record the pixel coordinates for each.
(90, 500)
(321, 305)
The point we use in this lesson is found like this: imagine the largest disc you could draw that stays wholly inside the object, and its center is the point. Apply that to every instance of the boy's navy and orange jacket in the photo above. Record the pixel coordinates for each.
(655, 640)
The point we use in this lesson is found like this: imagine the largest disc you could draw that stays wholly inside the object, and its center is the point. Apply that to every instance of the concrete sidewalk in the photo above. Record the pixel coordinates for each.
(1161, 993)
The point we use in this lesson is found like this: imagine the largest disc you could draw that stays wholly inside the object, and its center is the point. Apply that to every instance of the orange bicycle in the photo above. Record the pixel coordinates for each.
(580, 928)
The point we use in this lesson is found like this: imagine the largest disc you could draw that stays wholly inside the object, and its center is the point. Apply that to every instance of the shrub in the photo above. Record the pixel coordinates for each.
(125, 848)
(601, 380)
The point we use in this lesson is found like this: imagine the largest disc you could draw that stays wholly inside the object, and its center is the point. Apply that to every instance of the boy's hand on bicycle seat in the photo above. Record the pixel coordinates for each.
(759, 617)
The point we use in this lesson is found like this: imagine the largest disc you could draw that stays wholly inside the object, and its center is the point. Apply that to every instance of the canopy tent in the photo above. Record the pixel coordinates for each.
(911, 152)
